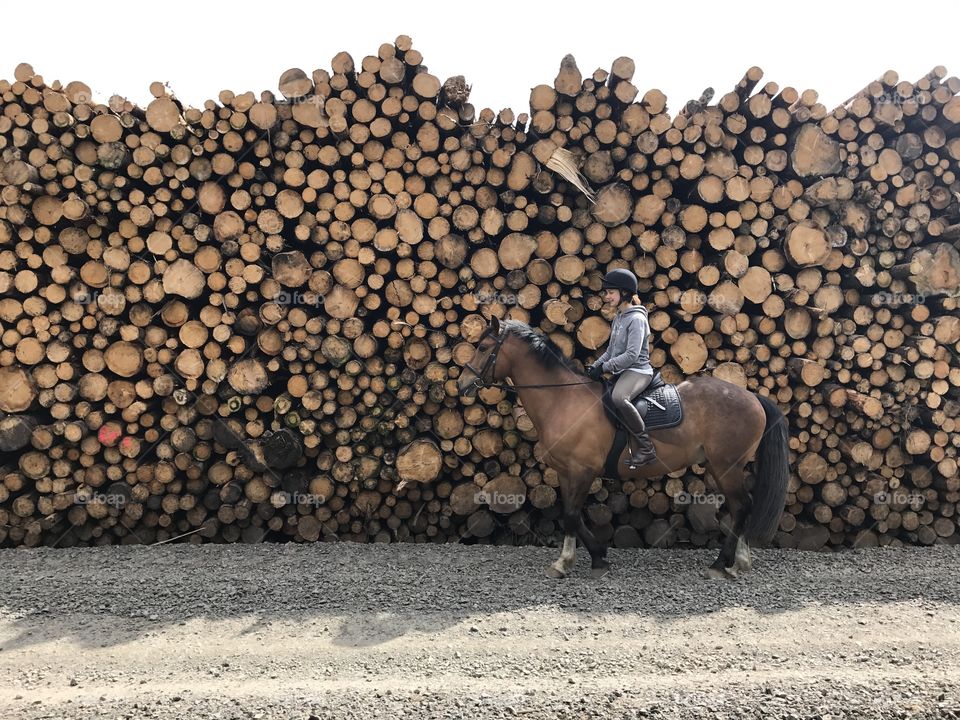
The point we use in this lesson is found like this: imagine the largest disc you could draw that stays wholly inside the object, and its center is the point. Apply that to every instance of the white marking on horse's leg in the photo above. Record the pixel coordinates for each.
(712, 573)
(568, 555)
(744, 561)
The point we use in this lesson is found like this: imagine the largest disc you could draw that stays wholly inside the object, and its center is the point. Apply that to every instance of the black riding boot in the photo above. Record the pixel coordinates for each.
(642, 449)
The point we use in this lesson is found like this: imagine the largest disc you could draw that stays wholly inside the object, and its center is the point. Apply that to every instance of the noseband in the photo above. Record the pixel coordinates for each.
(489, 364)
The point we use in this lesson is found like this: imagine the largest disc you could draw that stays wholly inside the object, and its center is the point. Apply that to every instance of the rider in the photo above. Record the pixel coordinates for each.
(628, 357)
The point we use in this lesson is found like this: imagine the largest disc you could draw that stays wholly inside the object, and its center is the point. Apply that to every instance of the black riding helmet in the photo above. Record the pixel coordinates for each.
(620, 279)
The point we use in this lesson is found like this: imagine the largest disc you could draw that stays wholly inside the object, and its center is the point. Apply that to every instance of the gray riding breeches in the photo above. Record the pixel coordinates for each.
(628, 386)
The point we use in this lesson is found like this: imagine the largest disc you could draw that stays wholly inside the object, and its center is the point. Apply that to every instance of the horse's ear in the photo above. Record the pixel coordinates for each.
(495, 326)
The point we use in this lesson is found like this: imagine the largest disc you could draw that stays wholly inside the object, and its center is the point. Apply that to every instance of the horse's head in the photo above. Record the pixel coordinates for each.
(482, 368)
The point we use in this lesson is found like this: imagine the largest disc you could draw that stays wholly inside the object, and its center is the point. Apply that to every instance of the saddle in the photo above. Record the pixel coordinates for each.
(658, 405)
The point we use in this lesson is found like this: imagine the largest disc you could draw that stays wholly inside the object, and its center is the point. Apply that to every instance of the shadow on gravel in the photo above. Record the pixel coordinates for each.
(99, 597)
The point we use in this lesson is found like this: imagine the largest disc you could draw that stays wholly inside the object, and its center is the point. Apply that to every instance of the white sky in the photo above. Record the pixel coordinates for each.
(503, 49)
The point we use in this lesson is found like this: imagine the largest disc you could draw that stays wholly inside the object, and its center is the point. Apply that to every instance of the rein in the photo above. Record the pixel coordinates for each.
(504, 386)
(491, 364)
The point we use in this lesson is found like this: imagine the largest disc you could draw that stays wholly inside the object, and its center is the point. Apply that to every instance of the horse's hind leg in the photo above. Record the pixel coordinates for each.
(744, 561)
(733, 558)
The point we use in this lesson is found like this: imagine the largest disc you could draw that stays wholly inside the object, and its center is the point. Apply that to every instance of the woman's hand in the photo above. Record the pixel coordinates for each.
(594, 372)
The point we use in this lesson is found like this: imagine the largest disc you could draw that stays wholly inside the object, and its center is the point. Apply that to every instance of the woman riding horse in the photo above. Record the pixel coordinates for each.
(628, 357)
(723, 427)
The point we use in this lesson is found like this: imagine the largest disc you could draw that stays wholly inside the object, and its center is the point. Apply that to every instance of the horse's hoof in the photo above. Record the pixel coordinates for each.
(600, 570)
(554, 573)
(712, 573)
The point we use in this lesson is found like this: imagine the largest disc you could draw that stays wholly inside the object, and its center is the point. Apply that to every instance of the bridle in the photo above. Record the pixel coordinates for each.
(490, 363)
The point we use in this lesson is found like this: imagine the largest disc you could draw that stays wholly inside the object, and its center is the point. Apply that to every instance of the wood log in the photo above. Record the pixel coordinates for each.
(245, 321)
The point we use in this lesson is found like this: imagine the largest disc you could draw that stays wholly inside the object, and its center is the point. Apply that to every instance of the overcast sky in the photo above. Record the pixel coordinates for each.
(503, 49)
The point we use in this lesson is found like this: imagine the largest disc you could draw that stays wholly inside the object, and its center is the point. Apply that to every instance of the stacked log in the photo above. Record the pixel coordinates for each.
(245, 322)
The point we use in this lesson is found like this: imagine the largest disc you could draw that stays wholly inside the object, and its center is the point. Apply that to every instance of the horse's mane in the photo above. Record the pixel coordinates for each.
(545, 350)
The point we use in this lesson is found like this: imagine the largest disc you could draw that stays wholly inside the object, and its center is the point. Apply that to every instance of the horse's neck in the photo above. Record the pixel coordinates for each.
(537, 402)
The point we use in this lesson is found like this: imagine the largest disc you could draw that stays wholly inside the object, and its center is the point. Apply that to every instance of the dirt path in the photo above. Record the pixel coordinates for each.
(348, 631)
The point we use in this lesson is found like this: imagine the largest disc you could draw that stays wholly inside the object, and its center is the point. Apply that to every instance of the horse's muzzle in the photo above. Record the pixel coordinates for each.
(470, 389)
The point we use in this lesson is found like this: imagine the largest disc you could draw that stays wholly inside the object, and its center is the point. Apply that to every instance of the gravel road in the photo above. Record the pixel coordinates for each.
(401, 631)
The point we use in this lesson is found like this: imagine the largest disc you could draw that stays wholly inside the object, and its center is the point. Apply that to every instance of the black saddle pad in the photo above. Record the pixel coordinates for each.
(660, 407)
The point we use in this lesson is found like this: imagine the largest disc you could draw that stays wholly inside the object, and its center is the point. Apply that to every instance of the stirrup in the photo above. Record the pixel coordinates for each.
(644, 455)
(644, 459)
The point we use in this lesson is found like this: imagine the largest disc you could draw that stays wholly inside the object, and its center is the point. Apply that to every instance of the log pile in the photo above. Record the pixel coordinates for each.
(245, 321)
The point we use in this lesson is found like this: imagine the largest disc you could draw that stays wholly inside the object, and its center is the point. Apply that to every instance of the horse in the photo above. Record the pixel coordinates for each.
(724, 426)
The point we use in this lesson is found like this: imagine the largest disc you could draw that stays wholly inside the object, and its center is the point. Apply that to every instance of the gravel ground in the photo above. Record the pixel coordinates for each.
(401, 631)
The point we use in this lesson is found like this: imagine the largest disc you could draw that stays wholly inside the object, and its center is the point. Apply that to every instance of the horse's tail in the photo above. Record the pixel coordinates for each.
(772, 473)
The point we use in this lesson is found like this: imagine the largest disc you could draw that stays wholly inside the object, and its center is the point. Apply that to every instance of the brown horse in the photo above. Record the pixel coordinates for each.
(723, 427)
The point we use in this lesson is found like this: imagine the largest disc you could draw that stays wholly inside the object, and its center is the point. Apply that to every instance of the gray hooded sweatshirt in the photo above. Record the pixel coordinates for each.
(629, 339)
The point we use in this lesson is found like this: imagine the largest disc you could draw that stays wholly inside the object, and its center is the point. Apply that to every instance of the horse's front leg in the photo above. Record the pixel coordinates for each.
(599, 565)
(573, 492)
(564, 564)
